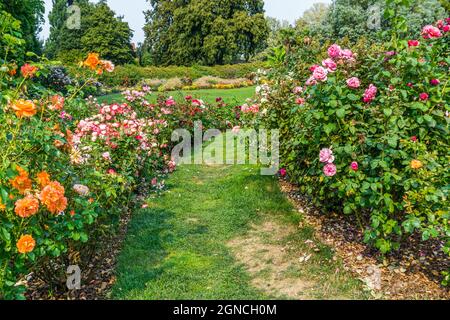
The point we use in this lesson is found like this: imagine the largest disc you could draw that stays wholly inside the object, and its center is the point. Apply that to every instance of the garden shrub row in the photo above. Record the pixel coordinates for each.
(365, 132)
(70, 168)
(131, 75)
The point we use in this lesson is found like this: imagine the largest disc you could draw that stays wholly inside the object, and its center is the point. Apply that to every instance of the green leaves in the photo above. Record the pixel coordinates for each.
(340, 113)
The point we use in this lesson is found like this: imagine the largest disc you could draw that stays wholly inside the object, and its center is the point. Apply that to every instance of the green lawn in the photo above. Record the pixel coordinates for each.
(230, 96)
(207, 237)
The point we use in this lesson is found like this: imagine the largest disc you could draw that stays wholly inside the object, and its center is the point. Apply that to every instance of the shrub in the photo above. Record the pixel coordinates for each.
(130, 75)
(368, 135)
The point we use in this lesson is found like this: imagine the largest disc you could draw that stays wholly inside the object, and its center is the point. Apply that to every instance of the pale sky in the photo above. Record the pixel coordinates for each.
(282, 9)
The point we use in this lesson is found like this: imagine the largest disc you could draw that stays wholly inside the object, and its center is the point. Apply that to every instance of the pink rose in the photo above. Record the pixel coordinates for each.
(435, 82)
(326, 156)
(446, 28)
(370, 94)
(154, 181)
(424, 96)
(311, 81)
(236, 129)
(300, 101)
(330, 170)
(283, 172)
(354, 83)
(334, 51)
(347, 54)
(298, 90)
(354, 166)
(431, 32)
(413, 43)
(320, 74)
(329, 64)
(314, 67)
(170, 102)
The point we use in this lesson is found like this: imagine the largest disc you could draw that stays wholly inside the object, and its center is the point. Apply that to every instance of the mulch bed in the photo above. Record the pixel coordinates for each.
(101, 270)
(413, 272)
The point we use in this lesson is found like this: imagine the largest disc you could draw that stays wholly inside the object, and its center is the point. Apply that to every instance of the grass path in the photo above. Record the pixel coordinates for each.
(226, 232)
(230, 96)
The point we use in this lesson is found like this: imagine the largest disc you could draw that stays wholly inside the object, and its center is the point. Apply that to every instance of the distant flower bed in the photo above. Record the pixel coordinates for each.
(368, 136)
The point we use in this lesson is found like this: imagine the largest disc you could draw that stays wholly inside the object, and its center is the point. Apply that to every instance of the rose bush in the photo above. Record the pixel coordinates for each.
(367, 134)
(70, 166)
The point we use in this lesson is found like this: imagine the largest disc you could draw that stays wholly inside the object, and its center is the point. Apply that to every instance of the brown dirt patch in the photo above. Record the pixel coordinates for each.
(267, 260)
(411, 273)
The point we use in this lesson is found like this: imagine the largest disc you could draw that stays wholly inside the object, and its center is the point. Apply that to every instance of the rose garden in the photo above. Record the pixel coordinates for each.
(88, 177)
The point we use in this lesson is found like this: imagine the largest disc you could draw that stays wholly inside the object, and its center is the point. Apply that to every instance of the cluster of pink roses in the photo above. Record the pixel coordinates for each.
(336, 55)
(370, 93)
(326, 156)
(133, 95)
(114, 122)
(245, 108)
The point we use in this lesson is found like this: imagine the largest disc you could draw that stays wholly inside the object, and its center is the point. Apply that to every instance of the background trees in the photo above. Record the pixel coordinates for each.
(352, 19)
(205, 31)
(101, 31)
(30, 13)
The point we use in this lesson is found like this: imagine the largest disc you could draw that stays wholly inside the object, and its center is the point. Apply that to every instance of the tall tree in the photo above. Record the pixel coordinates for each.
(204, 31)
(349, 18)
(100, 31)
(30, 13)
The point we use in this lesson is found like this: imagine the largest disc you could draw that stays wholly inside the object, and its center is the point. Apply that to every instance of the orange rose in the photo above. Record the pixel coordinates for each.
(27, 207)
(12, 72)
(25, 244)
(21, 183)
(28, 71)
(2, 206)
(416, 164)
(24, 108)
(92, 61)
(43, 179)
(53, 197)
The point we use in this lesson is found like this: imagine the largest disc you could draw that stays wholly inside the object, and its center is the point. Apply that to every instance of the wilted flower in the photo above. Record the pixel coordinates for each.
(82, 190)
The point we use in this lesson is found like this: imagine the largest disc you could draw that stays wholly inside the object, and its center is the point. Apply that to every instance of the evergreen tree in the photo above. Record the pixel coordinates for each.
(208, 32)
(100, 31)
(30, 13)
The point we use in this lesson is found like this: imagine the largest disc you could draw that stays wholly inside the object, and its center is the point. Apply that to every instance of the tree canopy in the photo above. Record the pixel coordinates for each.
(100, 31)
(204, 31)
(350, 18)
(30, 13)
